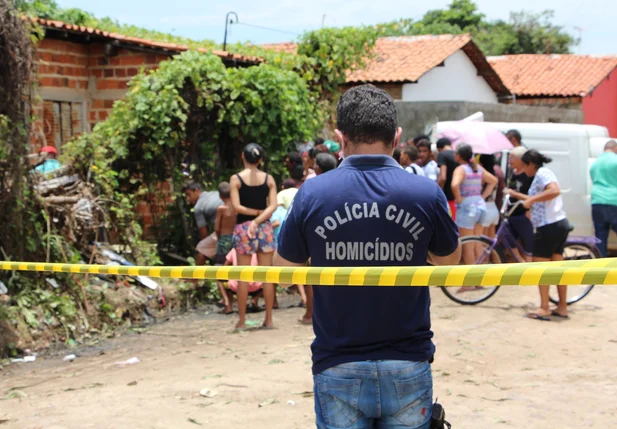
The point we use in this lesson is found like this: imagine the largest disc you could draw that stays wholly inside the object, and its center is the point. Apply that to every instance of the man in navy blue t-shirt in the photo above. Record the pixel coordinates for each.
(373, 345)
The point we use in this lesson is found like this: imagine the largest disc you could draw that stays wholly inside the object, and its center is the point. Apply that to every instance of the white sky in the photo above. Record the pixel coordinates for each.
(201, 19)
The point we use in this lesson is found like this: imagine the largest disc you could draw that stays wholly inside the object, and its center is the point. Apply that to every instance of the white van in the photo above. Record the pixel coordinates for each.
(573, 148)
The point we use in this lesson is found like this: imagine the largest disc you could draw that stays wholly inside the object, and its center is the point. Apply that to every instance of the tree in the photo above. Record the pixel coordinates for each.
(461, 13)
(523, 32)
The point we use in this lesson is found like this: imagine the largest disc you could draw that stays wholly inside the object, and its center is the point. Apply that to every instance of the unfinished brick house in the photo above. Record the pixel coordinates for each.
(83, 71)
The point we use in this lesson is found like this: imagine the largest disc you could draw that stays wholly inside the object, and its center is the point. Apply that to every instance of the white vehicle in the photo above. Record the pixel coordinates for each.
(573, 148)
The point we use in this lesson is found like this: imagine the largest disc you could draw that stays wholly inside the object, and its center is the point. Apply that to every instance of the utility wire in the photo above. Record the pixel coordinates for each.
(265, 28)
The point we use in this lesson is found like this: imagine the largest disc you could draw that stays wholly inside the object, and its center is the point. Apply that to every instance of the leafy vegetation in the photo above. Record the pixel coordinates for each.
(523, 32)
(193, 110)
(49, 9)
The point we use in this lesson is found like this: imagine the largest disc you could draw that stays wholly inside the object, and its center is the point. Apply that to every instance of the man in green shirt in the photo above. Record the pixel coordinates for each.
(604, 194)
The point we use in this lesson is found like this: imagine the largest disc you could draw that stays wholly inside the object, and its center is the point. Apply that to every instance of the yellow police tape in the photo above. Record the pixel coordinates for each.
(580, 272)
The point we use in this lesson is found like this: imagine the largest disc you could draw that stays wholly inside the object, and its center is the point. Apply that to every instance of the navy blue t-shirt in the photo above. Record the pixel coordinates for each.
(368, 212)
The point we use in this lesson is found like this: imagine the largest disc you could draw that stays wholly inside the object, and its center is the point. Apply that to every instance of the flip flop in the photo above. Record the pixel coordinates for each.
(536, 316)
(267, 328)
(554, 313)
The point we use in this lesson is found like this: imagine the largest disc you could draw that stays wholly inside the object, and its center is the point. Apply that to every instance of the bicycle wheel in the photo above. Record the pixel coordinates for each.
(472, 295)
(575, 252)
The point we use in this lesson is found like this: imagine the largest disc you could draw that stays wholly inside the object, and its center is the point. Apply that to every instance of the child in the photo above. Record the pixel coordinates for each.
(225, 223)
(284, 202)
(232, 285)
(286, 196)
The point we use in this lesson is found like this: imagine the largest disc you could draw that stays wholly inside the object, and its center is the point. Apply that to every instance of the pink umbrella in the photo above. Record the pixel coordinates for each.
(482, 137)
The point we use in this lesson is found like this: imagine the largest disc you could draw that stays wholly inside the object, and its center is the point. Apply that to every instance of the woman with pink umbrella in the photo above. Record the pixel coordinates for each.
(481, 136)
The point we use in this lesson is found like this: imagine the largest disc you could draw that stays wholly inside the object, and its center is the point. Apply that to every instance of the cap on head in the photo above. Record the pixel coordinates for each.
(49, 149)
(332, 146)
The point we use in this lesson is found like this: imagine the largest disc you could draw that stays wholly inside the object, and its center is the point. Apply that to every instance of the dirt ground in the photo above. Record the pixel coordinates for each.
(493, 368)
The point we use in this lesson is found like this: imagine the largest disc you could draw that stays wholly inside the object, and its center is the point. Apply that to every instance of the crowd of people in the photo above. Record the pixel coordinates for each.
(384, 338)
(248, 212)
(239, 224)
(475, 185)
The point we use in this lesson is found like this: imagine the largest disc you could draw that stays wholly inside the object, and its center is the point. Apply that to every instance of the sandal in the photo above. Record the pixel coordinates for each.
(554, 313)
(536, 316)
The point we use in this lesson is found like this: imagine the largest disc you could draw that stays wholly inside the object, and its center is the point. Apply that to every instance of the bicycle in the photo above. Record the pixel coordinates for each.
(504, 246)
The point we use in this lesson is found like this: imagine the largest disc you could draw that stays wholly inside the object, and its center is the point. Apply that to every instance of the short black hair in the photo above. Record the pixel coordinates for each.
(224, 190)
(253, 153)
(366, 114)
(424, 143)
(191, 186)
(412, 153)
(297, 172)
(319, 141)
(534, 157)
(294, 157)
(397, 154)
(443, 142)
(488, 163)
(416, 139)
(289, 183)
(515, 134)
(326, 161)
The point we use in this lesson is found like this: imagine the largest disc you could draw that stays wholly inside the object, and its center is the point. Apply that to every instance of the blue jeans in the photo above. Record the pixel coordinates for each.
(374, 394)
(604, 219)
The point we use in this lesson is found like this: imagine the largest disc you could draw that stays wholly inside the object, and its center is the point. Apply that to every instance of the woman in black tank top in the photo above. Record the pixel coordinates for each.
(253, 196)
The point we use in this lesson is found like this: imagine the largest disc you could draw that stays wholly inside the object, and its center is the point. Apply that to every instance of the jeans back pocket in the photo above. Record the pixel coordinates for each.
(338, 400)
(415, 396)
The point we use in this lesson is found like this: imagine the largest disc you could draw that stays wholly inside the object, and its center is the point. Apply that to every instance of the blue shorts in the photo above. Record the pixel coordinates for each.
(469, 213)
(369, 394)
(491, 216)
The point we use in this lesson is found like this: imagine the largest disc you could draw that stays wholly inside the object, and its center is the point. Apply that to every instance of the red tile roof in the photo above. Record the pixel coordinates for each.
(552, 75)
(287, 47)
(407, 59)
(168, 47)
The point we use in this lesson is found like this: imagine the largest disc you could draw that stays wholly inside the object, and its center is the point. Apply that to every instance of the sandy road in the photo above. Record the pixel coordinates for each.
(494, 368)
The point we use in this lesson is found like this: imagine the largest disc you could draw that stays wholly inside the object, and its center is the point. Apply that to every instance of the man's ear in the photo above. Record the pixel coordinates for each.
(397, 136)
(341, 139)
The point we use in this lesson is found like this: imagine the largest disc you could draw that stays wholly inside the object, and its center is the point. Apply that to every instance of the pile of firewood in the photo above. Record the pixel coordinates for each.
(72, 206)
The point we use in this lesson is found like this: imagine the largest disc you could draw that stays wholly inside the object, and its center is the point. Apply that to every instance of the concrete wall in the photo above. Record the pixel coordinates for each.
(457, 80)
(414, 117)
(600, 107)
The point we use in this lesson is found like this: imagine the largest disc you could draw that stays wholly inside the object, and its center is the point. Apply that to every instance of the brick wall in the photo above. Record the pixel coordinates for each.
(111, 74)
(62, 64)
(78, 85)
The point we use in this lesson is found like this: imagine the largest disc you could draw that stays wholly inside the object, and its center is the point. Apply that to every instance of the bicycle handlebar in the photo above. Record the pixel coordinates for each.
(506, 202)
